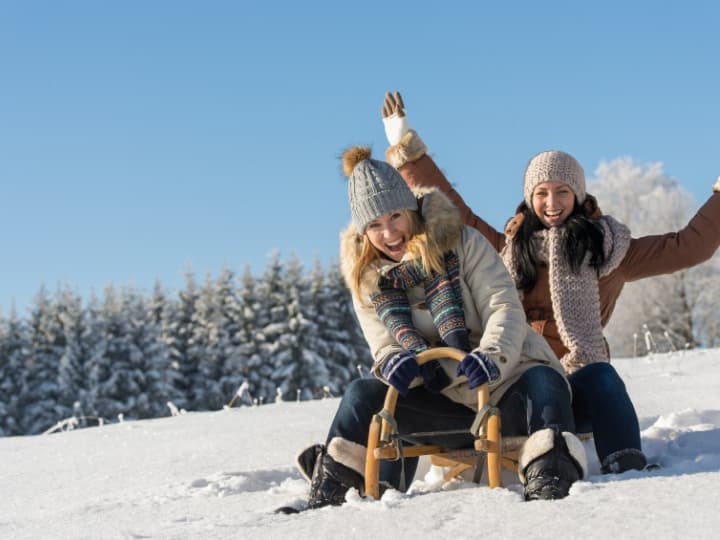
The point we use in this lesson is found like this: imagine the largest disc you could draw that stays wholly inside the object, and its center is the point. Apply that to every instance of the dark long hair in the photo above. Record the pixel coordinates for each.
(581, 235)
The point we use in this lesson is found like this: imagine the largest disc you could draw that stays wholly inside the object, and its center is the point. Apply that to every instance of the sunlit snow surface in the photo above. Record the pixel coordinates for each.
(221, 474)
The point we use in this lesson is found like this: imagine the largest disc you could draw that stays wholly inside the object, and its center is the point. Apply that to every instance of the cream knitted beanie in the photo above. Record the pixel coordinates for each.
(554, 165)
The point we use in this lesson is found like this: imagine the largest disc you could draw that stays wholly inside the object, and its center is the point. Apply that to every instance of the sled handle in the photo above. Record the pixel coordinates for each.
(489, 439)
(422, 358)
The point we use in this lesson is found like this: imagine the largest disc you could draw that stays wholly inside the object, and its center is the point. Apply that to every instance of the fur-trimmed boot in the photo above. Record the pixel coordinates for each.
(332, 470)
(623, 460)
(329, 479)
(549, 463)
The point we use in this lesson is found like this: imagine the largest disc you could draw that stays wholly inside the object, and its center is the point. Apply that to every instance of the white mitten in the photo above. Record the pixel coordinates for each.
(716, 187)
(395, 127)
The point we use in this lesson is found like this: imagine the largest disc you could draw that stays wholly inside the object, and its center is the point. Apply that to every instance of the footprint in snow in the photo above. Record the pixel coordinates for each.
(224, 484)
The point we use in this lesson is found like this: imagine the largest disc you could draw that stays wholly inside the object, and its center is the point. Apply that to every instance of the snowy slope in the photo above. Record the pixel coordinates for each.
(220, 475)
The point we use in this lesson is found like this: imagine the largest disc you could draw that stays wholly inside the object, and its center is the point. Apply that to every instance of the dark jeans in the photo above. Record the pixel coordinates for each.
(539, 399)
(602, 406)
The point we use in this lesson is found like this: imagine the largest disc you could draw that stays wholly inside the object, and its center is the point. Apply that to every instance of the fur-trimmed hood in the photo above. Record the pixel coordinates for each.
(443, 226)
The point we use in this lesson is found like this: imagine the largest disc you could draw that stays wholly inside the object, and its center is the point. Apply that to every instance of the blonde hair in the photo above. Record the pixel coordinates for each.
(421, 248)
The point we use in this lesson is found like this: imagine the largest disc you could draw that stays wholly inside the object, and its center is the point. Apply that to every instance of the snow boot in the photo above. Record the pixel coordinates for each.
(549, 463)
(330, 481)
(624, 460)
(305, 462)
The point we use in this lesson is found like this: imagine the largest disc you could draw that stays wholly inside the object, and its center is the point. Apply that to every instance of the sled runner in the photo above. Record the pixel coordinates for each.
(384, 439)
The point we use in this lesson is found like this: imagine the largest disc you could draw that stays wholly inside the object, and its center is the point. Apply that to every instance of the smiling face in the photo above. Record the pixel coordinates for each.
(553, 202)
(390, 233)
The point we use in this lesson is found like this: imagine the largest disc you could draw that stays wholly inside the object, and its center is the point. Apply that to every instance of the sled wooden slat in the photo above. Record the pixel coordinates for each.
(391, 453)
(380, 446)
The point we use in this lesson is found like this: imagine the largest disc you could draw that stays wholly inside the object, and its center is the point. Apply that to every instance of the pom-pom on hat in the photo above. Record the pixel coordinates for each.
(554, 165)
(375, 188)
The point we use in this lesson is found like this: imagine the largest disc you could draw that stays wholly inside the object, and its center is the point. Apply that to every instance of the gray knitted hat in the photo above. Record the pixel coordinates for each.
(554, 165)
(375, 188)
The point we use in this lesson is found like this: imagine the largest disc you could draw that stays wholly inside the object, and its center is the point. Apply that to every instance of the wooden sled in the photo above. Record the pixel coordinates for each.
(491, 451)
(384, 441)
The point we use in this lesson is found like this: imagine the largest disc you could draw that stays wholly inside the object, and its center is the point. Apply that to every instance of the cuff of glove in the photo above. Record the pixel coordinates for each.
(395, 127)
(716, 186)
(410, 148)
(490, 367)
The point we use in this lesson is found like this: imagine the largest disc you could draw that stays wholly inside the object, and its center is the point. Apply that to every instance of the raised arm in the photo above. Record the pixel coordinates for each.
(408, 154)
(667, 253)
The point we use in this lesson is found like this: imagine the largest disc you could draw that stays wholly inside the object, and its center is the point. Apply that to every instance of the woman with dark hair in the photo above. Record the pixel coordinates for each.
(570, 263)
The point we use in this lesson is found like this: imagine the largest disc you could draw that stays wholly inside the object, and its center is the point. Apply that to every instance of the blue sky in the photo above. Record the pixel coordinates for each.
(142, 138)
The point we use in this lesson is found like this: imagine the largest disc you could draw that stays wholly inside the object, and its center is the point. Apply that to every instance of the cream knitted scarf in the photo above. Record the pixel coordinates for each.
(575, 295)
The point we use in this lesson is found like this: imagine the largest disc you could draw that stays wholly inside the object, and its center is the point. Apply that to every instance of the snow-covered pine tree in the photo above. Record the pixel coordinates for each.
(129, 366)
(256, 368)
(347, 322)
(272, 315)
(228, 339)
(160, 310)
(96, 364)
(300, 365)
(39, 398)
(208, 394)
(73, 377)
(218, 317)
(344, 346)
(154, 370)
(6, 421)
(317, 306)
(14, 345)
(179, 329)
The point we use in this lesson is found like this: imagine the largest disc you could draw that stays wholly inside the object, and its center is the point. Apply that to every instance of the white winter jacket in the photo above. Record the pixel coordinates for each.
(494, 315)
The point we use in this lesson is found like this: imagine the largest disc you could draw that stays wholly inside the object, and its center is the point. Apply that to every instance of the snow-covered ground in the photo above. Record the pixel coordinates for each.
(221, 474)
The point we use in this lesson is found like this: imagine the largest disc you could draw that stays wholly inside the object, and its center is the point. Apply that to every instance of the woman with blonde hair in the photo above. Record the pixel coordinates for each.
(419, 278)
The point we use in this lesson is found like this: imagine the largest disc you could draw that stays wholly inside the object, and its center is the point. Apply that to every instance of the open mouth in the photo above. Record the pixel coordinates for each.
(396, 247)
(553, 216)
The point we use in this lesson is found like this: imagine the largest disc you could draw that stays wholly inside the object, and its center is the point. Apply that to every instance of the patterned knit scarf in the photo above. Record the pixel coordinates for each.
(443, 298)
(575, 296)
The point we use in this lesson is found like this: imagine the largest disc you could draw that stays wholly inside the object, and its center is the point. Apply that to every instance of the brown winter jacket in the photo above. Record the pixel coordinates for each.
(647, 256)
